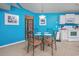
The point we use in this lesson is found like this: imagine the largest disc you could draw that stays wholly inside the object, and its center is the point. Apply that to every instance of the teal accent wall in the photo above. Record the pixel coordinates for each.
(12, 33)
(52, 20)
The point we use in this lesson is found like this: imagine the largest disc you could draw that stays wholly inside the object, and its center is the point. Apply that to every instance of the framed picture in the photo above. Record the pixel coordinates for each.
(11, 19)
(42, 20)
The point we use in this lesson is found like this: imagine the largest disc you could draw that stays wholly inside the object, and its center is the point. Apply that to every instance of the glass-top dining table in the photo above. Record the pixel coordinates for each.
(43, 36)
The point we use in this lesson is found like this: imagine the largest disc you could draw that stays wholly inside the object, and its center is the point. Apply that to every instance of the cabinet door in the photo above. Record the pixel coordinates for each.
(70, 18)
(62, 19)
(77, 19)
(64, 35)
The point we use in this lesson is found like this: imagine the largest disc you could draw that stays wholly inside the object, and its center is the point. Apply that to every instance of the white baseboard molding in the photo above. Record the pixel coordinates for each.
(12, 44)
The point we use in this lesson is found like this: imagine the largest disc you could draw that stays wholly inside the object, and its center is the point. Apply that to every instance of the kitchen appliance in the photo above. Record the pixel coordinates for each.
(73, 35)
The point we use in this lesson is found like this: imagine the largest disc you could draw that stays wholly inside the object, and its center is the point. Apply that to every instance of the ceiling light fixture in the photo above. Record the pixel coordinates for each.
(42, 16)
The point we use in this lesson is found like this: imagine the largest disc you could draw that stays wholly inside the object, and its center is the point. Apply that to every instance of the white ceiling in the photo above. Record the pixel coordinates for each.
(51, 7)
(14, 4)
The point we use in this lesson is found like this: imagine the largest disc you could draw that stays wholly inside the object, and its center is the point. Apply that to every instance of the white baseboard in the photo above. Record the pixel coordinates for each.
(12, 44)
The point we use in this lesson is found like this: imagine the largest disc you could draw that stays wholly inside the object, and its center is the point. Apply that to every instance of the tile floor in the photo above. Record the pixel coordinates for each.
(63, 49)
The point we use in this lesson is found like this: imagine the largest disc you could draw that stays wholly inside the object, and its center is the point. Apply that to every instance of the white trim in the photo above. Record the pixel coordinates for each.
(12, 44)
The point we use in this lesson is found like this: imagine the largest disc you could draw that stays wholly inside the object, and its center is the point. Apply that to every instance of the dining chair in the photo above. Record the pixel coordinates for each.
(54, 35)
(50, 39)
(35, 42)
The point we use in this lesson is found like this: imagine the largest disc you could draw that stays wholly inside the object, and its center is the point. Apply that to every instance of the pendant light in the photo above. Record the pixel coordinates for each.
(42, 16)
(42, 11)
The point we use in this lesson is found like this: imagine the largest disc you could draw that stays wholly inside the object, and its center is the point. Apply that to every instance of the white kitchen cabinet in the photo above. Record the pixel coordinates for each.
(58, 36)
(64, 35)
(62, 19)
(77, 19)
(67, 36)
(69, 18)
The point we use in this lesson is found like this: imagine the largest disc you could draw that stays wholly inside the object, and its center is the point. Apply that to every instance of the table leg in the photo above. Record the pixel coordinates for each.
(33, 46)
(43, 42)
(52, 47)
(55, 43)
(28, 47)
